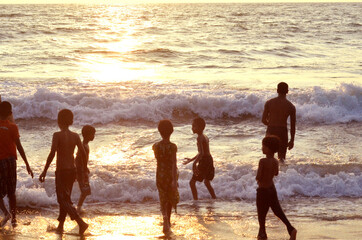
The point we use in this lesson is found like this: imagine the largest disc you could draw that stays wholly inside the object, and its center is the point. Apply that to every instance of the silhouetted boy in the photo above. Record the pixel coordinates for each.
(9, 143)
(88, 133)
(266, 196)
(203, 167)
(63, 144)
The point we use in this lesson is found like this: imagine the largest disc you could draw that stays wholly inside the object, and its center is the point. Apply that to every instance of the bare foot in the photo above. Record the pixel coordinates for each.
(262, 236)
(166, 227)
(14, 223)
(82, 228)
(60, 228)
(80, 210)
(5, 220)
(293, 234)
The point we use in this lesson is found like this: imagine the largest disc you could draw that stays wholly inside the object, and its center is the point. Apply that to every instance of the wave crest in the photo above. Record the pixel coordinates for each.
(317, 105)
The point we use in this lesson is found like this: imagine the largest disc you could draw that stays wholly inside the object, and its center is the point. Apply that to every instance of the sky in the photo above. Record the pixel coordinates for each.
(155, 1)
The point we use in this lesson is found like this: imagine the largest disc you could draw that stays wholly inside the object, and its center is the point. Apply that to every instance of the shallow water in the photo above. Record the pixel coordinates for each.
(123, 68)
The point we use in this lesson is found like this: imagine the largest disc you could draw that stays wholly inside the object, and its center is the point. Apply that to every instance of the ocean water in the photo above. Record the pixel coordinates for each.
(122, 68)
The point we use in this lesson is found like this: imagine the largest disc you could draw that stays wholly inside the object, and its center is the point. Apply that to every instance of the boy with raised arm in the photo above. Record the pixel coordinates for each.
(63, 144)
(203, 166)
(9, 143)
(88, 133)
(266, 196)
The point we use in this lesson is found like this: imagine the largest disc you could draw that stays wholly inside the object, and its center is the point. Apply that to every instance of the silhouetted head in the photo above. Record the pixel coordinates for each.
(272, 143)
(198, 125)
(282, 88)
(165, 128)
(5, 109)
(65, 117)
(88, 132)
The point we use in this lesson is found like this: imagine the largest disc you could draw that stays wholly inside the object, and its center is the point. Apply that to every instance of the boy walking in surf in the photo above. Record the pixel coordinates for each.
(203, 166)
(266, 196)
(88, 133)
(9, 143)
(63, 144)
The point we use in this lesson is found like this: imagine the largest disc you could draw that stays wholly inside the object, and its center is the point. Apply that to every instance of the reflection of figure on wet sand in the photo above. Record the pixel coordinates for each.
(166, 175)
(275, 116)
(203, 166)
(214, 224)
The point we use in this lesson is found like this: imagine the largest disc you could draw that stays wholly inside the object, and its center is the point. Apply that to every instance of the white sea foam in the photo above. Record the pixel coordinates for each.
(233, 183)
(316, 105)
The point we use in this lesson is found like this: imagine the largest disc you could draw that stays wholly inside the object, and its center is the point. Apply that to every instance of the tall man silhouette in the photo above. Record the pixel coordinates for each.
(275, 116)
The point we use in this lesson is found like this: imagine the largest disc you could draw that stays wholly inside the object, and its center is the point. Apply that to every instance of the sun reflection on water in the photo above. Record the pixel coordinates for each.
(110, 59)
(107, 70)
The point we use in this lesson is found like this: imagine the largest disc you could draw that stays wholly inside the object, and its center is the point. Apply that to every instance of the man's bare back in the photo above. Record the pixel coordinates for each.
(277, 111)
(275, 116)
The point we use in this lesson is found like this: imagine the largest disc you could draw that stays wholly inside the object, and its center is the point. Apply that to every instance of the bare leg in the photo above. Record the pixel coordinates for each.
(169, 210)
(6, 213)
(209, 187)
(60, 227)
(193, 189)
(80, 202)
(82, 226)
(166, 223)
(293, 234)
(12, 204)
(262, 208)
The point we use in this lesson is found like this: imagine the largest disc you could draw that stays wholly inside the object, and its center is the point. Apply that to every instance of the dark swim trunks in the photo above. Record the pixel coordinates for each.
(282, 133)
(64, 180)
(7, 176)
(206, 169)
(83, 181)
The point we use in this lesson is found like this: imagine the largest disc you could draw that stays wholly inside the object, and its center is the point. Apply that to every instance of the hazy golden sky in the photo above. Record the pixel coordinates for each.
(159, 1)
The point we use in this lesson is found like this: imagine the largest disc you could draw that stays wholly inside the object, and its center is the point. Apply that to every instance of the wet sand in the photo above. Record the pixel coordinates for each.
(193, 221)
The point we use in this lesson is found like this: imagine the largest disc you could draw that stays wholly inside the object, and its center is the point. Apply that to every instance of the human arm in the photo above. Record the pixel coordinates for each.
(265, 117)
(50, 158)
(292, 128)
(174, 171)
(276, 167)
(259, 171)
(22, 154)
(81, 150)
(200, 151)
(188, 160)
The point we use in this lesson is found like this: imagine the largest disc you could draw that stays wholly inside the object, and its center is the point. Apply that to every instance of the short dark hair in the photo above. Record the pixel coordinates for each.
(272, 142)
(282, 88)
(165, 128)
(5, 109)
(87, 130)
(200, 122)
(65, 117)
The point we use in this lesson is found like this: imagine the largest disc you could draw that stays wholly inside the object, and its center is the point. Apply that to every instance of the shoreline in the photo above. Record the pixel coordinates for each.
(194, 220)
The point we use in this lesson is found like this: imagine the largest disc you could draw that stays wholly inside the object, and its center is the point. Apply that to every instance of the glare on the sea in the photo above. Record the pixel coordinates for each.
(108, 70)
(113, 62)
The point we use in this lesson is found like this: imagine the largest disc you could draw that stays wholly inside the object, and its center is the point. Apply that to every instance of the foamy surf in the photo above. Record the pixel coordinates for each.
(314, 106)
